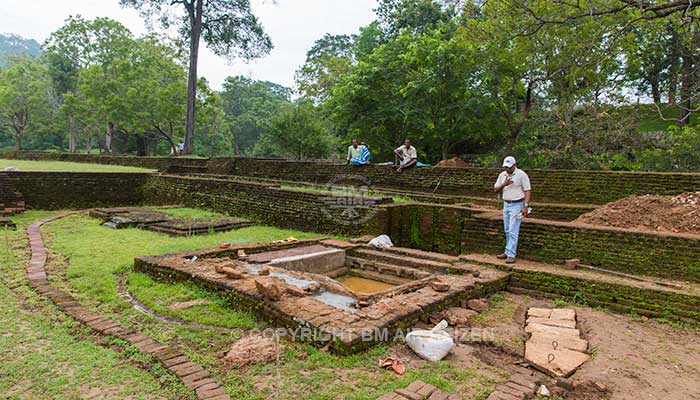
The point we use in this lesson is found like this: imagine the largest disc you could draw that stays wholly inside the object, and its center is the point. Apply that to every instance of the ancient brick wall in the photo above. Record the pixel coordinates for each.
(74, 190)
(554, 186)
(268, 205)
(450, 229)
(618, 298)
(159, 163)
(557, 186)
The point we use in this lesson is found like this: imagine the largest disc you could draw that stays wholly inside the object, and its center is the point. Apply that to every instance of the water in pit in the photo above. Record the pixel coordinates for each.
(363, 285)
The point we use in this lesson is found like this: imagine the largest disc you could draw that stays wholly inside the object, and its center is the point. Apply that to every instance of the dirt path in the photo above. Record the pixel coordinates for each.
(640, 360)
(633, 359)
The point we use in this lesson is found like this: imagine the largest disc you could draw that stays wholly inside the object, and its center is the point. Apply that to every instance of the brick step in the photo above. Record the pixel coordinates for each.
(616, 293)
(383, 268)
(399, 259)
(425, 255)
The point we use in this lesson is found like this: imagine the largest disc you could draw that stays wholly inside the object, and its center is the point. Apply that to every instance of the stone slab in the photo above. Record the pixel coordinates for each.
(563, 314)
(563, 323)
(561, 362)
(539, 312)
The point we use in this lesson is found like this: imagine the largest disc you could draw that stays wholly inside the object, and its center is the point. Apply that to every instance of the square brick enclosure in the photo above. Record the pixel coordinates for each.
(347, 295)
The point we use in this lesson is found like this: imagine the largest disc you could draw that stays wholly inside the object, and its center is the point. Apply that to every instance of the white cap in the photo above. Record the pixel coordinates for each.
(508, 162)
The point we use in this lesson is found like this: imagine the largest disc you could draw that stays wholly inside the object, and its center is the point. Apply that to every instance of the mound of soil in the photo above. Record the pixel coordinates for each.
(679, 213)
(454, 162)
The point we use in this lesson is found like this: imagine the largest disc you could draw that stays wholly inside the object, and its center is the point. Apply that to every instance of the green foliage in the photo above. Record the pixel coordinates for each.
(296, 132)
(25, 98)
(249, 106)
(229, 28)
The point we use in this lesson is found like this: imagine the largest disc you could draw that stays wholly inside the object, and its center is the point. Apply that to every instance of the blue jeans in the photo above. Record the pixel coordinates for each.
(512, 217)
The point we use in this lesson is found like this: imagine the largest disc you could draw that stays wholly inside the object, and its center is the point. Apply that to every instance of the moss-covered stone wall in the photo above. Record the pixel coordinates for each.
(553, 186)
(672, 256)
(556, 186)
(618, 298)
(75, 190)
(316, 212)
(454, 230)
(159, 163)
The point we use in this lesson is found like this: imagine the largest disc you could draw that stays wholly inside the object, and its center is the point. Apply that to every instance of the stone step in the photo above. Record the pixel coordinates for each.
(400, 259)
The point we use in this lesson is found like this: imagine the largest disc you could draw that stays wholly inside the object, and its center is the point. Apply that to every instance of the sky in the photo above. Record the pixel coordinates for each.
(293, 25)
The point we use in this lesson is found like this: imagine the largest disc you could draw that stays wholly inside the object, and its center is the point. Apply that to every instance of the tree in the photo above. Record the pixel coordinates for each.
(25, 92)
(327, 61)
(141, 95)
(296, 132)
(78, 45)
(249, 105)
(228, 27)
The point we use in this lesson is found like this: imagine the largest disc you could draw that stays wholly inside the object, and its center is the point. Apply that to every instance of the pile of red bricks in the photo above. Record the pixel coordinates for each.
(192, 375)
(419, 390)
(520, 386)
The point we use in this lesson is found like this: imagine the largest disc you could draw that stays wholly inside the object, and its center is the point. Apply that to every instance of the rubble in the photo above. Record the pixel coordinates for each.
(251, 350)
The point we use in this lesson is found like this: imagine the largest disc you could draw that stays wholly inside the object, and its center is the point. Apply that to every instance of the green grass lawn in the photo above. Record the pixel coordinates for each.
(87, 258)
(47, 355)
(65, 166)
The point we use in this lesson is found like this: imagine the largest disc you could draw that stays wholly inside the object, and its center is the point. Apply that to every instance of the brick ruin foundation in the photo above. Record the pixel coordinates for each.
(299, 285)
(450, 215)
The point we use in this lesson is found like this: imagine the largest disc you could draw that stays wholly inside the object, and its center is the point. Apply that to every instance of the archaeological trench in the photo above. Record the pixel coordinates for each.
(345, 291)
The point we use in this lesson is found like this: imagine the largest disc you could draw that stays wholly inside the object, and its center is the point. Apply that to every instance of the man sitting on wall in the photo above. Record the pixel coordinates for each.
(406, 156)
(354, 151)
(363, 159)
(513, 186)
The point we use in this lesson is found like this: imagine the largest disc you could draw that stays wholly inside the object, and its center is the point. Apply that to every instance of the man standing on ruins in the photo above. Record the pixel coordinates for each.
(513, 186)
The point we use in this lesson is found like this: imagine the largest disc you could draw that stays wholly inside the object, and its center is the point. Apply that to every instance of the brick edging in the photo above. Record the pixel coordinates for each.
(192, 375)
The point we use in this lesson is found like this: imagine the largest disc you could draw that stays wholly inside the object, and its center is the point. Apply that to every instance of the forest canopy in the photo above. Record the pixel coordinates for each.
(595, 84)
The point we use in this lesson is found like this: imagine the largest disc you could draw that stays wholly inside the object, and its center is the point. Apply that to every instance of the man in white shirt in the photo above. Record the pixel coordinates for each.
(406, 155)
(513, 185)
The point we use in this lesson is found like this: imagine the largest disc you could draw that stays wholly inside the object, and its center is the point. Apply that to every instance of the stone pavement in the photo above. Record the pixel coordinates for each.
(192, 375)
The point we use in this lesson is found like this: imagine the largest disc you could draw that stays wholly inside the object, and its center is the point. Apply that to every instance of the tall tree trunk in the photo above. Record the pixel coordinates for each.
(109, 138)
(686, 88)
(672, 84)
(18, 141)
(195, 14)
(518, 126)
(655, 92)
(72, 140)
(140, 145)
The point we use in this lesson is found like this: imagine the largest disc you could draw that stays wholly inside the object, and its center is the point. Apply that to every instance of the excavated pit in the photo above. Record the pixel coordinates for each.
(347, 294)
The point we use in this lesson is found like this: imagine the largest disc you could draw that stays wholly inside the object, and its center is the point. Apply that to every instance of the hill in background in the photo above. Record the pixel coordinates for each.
(15, 45)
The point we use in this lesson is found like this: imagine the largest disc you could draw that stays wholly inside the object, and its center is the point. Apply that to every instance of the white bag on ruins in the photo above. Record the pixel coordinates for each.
(432, 345)
(381, 242)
